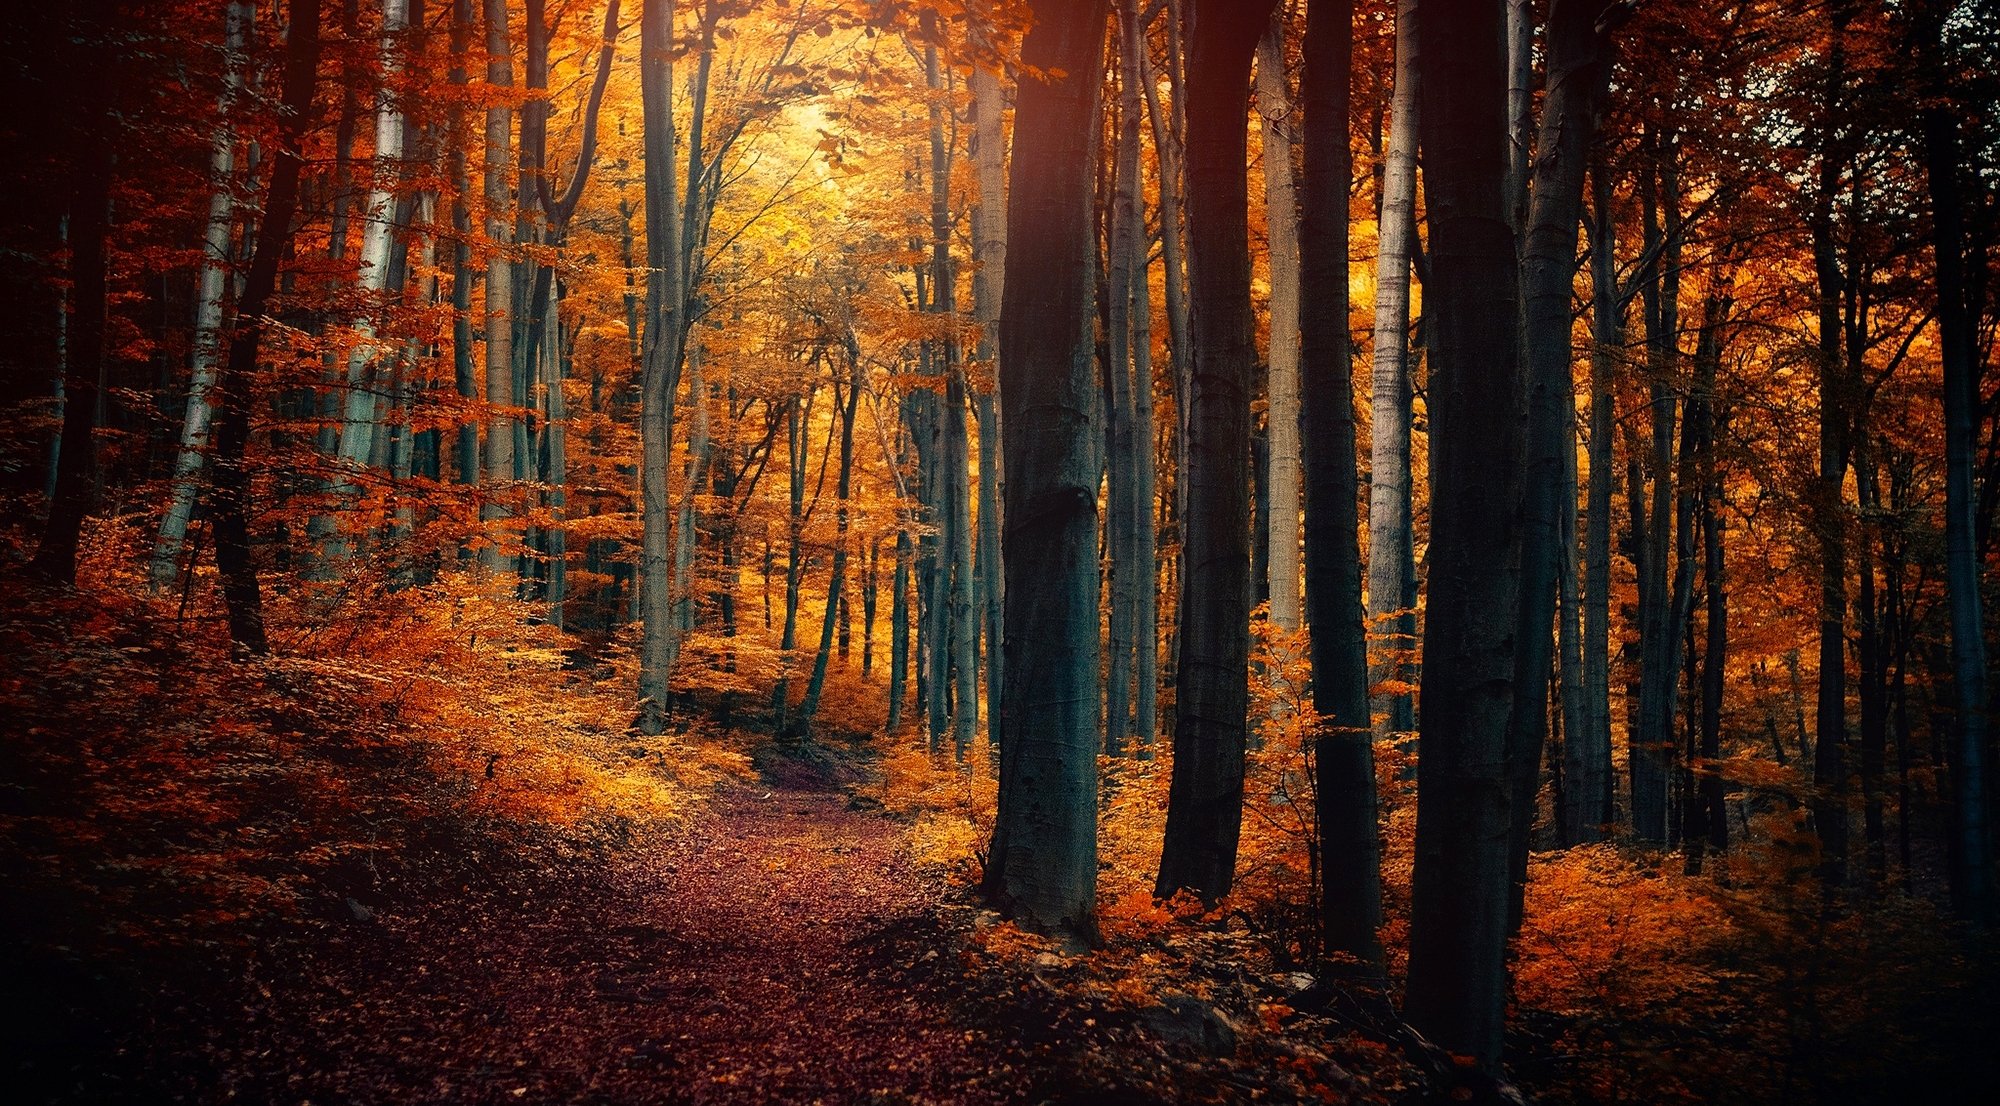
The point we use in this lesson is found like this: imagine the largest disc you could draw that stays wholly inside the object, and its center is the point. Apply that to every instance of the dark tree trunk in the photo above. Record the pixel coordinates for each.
(1588, 784)
(1042, 868)
(1458, 919)
(94, 142)
(230, 497)
(1579, 63)
(1958, 323)
(1343, 750)
(1205, 803)
(1829, 807)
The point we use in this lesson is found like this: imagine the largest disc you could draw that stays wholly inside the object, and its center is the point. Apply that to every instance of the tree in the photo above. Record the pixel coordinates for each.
(1343, 749)
(1392, 576)
(1459, 895)
(218, 243)
(230, 476)
(1042, 867)
(1579, 67)
(1205, 803)
(660, 373)
(1958, 317)
(1281, 220)
(94, 122)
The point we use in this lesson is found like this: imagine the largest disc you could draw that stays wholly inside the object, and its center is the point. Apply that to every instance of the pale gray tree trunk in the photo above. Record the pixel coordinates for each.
(208, 337)
(1520, 107)
(989, 256)
(1391, 549)
(1281, 221)
(660, 368)
(499, 312)
(359, 413)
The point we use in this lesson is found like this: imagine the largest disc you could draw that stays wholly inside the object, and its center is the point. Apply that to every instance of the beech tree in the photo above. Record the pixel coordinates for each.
(1042, 867)
(1459, 897)
(1204, 812)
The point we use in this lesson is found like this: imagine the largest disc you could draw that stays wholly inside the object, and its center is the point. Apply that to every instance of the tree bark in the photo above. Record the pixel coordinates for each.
(1042, 867)
(499, 309)
(1588, 783)
(989, 256)
(94, 137)
(1579, 67)
(660, 360)
(1281, 222)
(1343, 747)
(1459, 901)
(230, 491)
(1391, 552)
(1958, 322)
(217, 244)
(1205, 802)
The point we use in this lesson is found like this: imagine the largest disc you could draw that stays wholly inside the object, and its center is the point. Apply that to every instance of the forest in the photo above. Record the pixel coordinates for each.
(1375, 551)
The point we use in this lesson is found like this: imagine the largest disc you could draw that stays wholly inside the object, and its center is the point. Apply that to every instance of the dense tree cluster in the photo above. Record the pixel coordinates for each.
(1596, 394)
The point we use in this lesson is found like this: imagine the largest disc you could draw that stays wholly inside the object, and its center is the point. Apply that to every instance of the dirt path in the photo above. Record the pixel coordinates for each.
(782, 950)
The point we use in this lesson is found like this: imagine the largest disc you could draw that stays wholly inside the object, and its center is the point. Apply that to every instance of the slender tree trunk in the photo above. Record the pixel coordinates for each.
(94, 136)
(1829, 806)
(1042, 867)
(499, 309)
(1281, 221)
(1169, 130)
(230, 491)
(1122, 508)
(1343, 748)
(989, 256)
(1391, 552)
(1588, 782)
(1958, 324)
(1459, 900)
(1653, 745)
(660, 360)
(1579, 74)
(809, 709)
(358, 431)
(217, 242)
(1205, 803)
(1145, 542)
(459, 138)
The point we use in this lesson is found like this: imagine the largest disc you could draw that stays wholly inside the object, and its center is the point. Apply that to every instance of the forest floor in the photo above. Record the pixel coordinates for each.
(780, 946)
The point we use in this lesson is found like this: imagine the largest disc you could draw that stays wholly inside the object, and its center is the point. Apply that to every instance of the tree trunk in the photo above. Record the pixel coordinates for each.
(358, 431)
(217, 242)
(499, 310)
(1458, 918)
(809, 709)
(989, 257)
(1829, 807)
(1122, 506)
(1042, 867)
(1281, 221)
(1588, 784)
(230, 493)
(660, 361)
(1652, 745)
(1391, 552)
(1958, 322)
(1343, 747)
(1205, 802)
(1579, 69)
(94, 136)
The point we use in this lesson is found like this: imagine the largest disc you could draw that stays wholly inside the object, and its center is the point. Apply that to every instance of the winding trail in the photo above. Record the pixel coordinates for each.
(781, 950)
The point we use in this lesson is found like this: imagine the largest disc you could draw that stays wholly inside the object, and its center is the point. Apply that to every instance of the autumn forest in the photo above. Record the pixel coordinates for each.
(991, 551)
